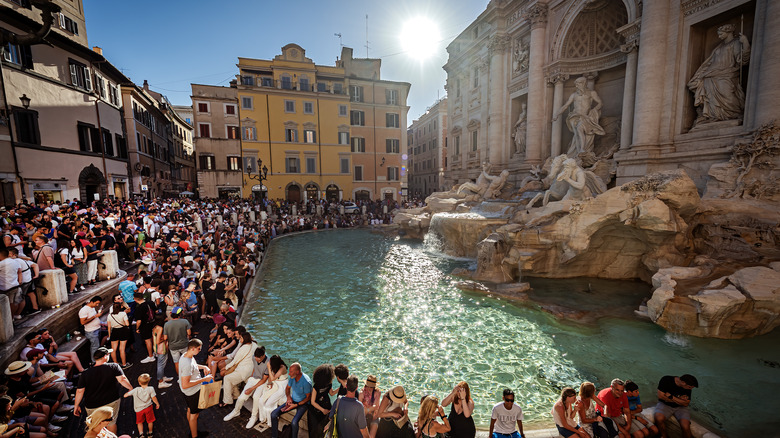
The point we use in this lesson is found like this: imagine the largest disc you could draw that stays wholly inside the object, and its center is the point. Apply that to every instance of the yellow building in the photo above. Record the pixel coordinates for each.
(294, 117)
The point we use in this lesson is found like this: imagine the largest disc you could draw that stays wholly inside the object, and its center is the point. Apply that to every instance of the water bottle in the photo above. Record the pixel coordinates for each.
(67, 337)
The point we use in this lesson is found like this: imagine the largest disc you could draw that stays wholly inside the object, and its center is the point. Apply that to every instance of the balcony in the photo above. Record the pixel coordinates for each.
(310, 87)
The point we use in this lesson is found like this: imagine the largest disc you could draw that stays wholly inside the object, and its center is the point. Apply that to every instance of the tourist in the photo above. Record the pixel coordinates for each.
(342, 372)
(10, 280)
(96, 423)
(89, 316)
(348, 413)
(177, 333)
(254, 387)
(43, 399)
(160, 352)
(189, 383)
(64, 261)
(461, 422)
(427, 425)
(119, 333)
(11, 424)
(127, 288)
(51, 347)
(274, 390)
(143, 397)
(43, 255)
(93, 253)
(506, 418)
(641, 425)
(79, 257)
(298, 394)
(97, 387)
(239, 369)
(370, 398)
(674, 397)
(29, 273)
(616, 403)
(393, 413)
(322, 382)
(564, 410)
(590, 420)
(144, 319)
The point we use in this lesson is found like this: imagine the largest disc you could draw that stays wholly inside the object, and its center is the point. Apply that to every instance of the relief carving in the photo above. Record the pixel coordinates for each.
(520, 55)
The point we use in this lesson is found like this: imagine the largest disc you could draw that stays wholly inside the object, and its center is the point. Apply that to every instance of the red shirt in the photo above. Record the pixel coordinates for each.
(614, 404)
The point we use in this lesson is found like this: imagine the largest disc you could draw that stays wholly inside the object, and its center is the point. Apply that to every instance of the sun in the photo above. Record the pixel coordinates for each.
(420, 38)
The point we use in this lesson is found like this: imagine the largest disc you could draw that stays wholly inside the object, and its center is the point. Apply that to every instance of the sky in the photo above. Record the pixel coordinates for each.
(173, 43)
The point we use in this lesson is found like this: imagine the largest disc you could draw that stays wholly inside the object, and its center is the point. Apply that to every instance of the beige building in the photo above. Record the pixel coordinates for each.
(511, 71)
(428, 151)
(60, 112)
(217, 140)
(185, 169)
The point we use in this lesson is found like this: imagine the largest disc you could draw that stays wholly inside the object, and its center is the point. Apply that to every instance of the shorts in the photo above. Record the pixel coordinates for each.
(114, 405)
(15, 295)
(619, 421)
(192, 402)
(176, 354)
(680, 412)
(514, 434)
(566, 433)
(146, 331)
(637, 425)
(146, 415)
(26, 288)
(69, 270)
(120, 334)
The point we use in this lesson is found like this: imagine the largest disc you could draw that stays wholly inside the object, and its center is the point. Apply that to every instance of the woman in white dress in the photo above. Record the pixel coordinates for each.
(273, 395)
(243, 361)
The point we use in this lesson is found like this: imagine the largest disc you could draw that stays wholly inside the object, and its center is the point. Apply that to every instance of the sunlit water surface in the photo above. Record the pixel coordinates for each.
(390, 308)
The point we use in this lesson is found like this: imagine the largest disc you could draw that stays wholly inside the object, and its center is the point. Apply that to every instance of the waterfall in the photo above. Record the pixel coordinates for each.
(433, 242)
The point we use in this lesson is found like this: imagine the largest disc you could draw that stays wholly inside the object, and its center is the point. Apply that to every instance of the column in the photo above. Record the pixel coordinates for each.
(557, 80)
(650, 66)
(498, 49)
(629, 94)
(537, 17)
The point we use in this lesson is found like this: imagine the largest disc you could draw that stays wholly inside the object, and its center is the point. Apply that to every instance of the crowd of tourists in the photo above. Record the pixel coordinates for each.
(196, 258)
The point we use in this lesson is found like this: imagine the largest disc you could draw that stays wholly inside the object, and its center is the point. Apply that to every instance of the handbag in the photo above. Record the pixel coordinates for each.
(332, 427)
(235, 364)
(209, 394)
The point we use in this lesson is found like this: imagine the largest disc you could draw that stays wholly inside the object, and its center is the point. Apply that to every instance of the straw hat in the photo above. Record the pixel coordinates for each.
(371, 381)
(398, 395)
(17, 367)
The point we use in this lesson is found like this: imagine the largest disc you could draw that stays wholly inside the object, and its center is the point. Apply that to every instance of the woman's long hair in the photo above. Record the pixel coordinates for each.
(427, 411)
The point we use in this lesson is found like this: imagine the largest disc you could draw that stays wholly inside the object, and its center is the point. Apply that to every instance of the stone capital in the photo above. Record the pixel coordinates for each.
(591, 75)
(499, 44)
(630, 33)
(630, 46)
(557, 77)
(536, 15)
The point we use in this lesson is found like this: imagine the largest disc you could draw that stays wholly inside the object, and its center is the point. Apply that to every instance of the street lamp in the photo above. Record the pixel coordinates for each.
(261, 176)
(25, 101)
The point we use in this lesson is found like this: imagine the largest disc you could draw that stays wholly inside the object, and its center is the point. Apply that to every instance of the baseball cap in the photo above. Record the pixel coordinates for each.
(176, 310)
(101, 353)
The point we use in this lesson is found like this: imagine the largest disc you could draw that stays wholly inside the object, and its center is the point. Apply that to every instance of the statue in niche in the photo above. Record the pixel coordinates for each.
(583, 118)
(716, 87)
(520, 55)
(569, 181)
(519, 131)
(486, 186)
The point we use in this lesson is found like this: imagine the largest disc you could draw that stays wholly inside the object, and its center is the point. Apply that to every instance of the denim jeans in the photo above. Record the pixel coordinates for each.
(94, 342)
(294, 425)
(162, 360)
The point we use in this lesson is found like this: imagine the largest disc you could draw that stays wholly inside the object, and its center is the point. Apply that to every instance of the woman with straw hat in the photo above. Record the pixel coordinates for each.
(393, 413)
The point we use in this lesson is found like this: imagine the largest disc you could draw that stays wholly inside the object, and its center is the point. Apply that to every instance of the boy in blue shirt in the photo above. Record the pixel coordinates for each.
(640, 425)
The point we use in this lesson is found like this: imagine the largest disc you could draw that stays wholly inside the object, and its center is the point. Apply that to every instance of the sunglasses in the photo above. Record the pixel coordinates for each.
(509, 400)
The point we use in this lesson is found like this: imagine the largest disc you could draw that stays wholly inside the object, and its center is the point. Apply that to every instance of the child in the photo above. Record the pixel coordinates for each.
(640, 423)
(143, 396)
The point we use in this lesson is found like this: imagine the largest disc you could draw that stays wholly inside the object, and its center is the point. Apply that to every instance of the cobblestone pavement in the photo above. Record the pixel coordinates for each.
(171, 417)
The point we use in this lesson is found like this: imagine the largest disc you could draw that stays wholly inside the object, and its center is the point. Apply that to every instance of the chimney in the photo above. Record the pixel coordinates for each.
(98, 50)
(146, 85)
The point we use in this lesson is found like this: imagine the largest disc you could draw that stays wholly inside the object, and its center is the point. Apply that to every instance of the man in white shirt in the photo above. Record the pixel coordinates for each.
(10, 279)
(89, 316)
(29, 273)
(504, 417)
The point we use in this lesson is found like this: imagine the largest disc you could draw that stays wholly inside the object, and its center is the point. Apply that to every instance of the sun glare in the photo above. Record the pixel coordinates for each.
(420, 38)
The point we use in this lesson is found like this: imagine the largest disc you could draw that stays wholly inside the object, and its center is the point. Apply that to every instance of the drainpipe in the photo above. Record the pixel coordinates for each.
(373, 108)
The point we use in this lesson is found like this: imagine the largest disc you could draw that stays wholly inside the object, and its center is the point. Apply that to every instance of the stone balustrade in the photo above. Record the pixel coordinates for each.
(6, 319)
(52, 288)
(108, 265)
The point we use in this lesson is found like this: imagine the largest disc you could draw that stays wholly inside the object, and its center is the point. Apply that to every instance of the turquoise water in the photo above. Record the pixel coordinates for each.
(389, 308)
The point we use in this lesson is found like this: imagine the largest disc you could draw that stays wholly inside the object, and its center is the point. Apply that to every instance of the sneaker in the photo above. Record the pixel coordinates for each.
(162, 385)
(54, 429)
(17, 317)
(148, 360)
(81, 287)
(233, 414)
(167, 379)
(34, 311)
(252, 421)
(64, 408)
(127, 365)
(58, 418)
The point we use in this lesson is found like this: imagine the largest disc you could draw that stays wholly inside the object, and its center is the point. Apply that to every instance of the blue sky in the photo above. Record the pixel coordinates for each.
(172, 43)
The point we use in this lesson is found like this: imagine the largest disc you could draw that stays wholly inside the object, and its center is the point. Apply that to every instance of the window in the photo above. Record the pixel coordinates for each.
(27, 130)
(100, 86)
(145, 147)
(289, 106)
(356, 93)
(392, 173)
(246, 103)
(393, 146)
(249, 133)
(232, 132)
(392, 120)
(85, 142)
(268, 82)
(457, 144)
(424, 146)
(345, 165)
(291, 135)
(309, 136)
(138, 141)
(113, 95)
(234, 163)
(311, 165)
(304, 85)
(476, 77)
(248, 80)
(358, 144)
(19, 55)
(68, 24)
(205, 130)
(286, 82)
(292, 165)
(108, 142)
(207, 162)
(203, 107)
(474, 136)
(322, 87)
(121, 146)
(357, 118)
(392, 97)
(338, 88)
(358, 173)
(80, 76)
(343, 137)
(230, 110)
(457, 87)
(342, 111)
(308, 107)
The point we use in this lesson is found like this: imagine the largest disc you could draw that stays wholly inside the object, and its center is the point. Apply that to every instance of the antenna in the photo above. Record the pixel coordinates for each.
(366, 35)
(339, 35)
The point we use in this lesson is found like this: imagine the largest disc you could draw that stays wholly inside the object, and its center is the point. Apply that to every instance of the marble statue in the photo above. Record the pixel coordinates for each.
(520, 63)
(583, 119)
(486, 186)
(520, 129)
(716, 87)
(569, 181)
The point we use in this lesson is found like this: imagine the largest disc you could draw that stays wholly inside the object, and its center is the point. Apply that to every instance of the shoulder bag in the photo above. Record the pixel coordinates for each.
(332, 428)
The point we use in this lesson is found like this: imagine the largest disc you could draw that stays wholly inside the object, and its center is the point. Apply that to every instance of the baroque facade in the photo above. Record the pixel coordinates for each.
(428, 151)
(646, 100)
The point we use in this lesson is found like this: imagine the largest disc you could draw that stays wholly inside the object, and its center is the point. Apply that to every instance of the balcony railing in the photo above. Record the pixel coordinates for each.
(294, 86)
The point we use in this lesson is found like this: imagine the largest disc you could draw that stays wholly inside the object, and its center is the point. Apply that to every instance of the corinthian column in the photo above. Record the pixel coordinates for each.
(537, 17)
(631, 48)
(498, 49)
(652, 58)
(557, 80)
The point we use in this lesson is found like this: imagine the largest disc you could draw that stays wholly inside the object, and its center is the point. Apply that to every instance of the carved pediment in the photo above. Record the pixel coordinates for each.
(456, 130)
(473, 124)
(309, 125)
(290, 124)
